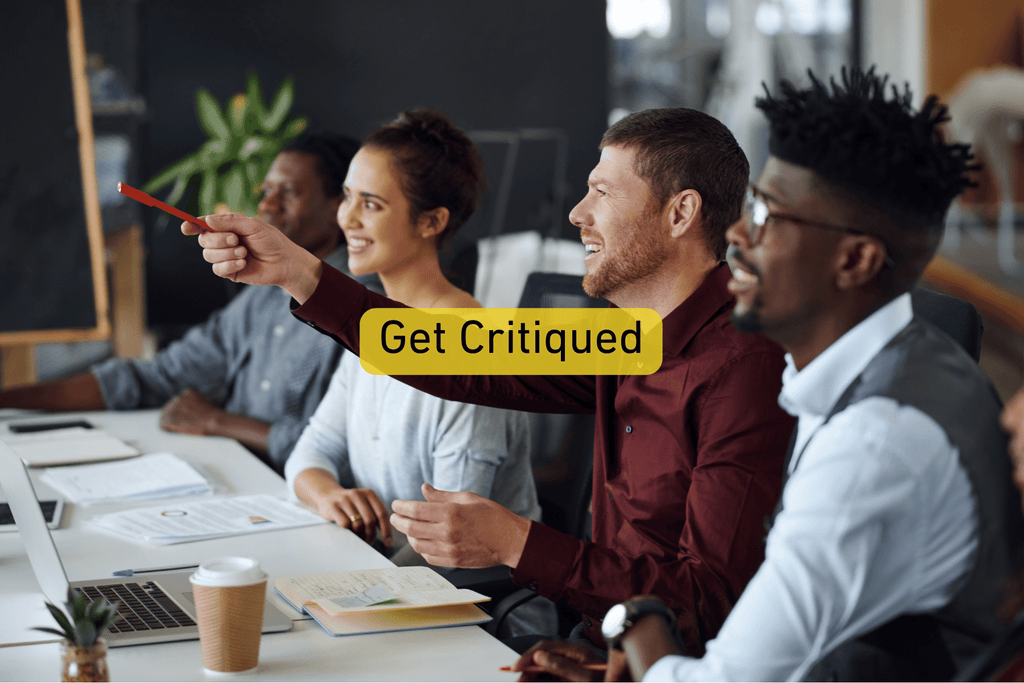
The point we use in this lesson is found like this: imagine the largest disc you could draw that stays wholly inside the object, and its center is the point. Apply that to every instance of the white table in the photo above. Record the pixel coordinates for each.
(304, 653)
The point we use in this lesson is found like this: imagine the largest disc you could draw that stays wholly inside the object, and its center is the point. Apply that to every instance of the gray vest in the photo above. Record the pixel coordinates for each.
(924, 368)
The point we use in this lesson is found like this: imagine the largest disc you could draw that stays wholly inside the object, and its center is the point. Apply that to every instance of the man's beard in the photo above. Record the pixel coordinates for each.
(749, 322)
(643, 254)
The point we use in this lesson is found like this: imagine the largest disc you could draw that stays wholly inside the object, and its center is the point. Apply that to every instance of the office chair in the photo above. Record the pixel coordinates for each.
(956, 317)
(494, 269)
(557, 290)
(461, 268)
(562, 470)
(563, 466)
(995, 658)
(960, 320)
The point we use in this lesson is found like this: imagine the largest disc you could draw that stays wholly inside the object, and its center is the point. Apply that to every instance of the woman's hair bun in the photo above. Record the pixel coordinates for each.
(438, 162)
(432, 126)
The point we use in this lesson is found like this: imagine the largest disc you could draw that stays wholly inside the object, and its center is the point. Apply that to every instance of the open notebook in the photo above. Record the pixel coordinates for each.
(379, 600)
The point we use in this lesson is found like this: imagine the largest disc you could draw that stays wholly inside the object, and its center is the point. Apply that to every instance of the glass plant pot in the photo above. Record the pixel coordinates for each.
(84, 663)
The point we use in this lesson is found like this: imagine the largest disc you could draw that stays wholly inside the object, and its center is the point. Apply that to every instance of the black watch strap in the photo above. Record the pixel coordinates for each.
(636, 608)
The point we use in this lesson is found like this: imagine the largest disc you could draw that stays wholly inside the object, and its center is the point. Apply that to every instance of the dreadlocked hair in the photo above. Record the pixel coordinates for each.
(853, 137)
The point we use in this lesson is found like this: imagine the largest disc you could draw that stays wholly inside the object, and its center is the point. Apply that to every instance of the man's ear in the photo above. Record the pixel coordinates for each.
(684, 212)
(432, 223)
(860, 260)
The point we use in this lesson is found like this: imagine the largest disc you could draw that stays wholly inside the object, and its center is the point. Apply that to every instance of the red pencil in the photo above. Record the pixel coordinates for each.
(534, 669)
(140, 196)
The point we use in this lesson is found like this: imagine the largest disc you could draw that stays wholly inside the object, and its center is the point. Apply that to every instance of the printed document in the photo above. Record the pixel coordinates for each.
(193, 521)
(158, 475)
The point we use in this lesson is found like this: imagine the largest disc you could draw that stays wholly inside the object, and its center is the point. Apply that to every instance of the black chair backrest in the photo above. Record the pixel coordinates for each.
(564, 444)
(956, 317)
(1005, 649)
(557, 290)
(460, 267)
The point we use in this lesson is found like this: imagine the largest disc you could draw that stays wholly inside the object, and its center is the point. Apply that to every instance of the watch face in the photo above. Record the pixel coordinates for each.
(614, 621)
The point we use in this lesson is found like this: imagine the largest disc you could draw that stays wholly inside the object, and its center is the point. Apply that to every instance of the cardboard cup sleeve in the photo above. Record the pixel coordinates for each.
(230, 622)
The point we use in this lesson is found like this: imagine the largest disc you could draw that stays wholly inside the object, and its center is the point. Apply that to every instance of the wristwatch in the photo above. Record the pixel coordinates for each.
(621, 617)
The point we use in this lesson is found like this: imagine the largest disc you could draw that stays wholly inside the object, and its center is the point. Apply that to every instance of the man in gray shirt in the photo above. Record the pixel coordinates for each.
(251, 372)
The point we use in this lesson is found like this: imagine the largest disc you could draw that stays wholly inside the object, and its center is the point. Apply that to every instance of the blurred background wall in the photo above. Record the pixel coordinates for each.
(717, 56)
(567, 69)
(529, 63)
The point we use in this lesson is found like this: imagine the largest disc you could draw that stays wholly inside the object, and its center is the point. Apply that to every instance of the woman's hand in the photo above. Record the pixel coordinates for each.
(248, 250)
(357, 509)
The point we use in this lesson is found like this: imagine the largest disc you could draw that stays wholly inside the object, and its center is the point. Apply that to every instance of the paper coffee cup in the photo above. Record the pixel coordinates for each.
(229, 593)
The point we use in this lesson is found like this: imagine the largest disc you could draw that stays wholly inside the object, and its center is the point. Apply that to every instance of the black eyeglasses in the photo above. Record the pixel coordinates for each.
(757, 214)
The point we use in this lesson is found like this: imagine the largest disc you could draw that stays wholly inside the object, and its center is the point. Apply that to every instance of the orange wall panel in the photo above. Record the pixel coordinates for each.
(964, 35)
(967, 34)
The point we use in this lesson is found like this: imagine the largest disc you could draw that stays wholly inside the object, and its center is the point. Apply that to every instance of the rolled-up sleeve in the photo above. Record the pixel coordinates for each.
(201, 360)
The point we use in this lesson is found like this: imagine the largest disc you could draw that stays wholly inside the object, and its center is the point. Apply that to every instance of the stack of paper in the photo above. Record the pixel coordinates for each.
(160, 475)
(180, 522)
(67, 446)
(379, 600)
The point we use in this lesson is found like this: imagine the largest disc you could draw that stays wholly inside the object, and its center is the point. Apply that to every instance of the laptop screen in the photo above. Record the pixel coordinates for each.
(42, 553)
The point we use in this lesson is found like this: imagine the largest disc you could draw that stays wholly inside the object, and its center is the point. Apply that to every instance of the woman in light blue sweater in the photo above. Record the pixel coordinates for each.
(373, 439)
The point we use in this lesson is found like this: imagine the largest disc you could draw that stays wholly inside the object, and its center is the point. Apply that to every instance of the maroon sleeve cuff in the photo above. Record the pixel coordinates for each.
(547, 561)
(337, 304)
(326, 307)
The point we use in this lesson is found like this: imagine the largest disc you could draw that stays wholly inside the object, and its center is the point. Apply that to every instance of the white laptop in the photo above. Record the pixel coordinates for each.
(154, 609)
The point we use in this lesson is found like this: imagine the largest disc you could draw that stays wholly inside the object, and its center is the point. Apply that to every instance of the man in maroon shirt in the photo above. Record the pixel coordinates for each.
(687, 461)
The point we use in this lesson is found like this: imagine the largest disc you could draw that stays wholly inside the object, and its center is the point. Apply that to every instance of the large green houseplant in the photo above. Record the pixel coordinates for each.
(244, 139)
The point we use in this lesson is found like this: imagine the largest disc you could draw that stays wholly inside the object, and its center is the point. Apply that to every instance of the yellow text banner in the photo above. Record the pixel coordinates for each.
(510, 341)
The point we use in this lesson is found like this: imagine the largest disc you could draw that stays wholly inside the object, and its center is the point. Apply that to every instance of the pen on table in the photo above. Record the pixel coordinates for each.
(534, 669)
(153, 570)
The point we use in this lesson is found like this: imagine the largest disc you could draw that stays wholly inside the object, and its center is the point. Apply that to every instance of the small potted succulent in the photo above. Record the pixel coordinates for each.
(83, 650)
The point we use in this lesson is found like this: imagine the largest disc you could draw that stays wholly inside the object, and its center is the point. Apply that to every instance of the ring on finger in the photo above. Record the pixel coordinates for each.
(355, 519)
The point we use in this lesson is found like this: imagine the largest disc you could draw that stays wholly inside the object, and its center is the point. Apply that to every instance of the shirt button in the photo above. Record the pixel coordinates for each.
(629, 429)
(610, 496)
(265, 385)
(279, 330)
(533, 585)
(587, 622)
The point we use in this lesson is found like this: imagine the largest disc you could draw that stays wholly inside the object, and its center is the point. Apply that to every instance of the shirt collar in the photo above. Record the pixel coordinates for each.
(686, 319)
(815, 389)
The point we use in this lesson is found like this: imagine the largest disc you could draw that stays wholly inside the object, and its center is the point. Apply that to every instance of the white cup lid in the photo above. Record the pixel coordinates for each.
(229, 571)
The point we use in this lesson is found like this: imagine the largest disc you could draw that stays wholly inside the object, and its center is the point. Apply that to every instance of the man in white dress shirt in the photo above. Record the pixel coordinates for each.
(898, 521)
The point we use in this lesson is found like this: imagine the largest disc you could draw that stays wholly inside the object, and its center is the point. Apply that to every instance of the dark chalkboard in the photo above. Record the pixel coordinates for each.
(52, 281)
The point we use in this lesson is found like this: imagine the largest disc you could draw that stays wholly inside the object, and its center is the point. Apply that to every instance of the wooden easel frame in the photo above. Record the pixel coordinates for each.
(16, 347)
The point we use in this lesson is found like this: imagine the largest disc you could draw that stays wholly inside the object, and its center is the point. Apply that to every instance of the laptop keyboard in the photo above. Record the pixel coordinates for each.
(140, 607)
